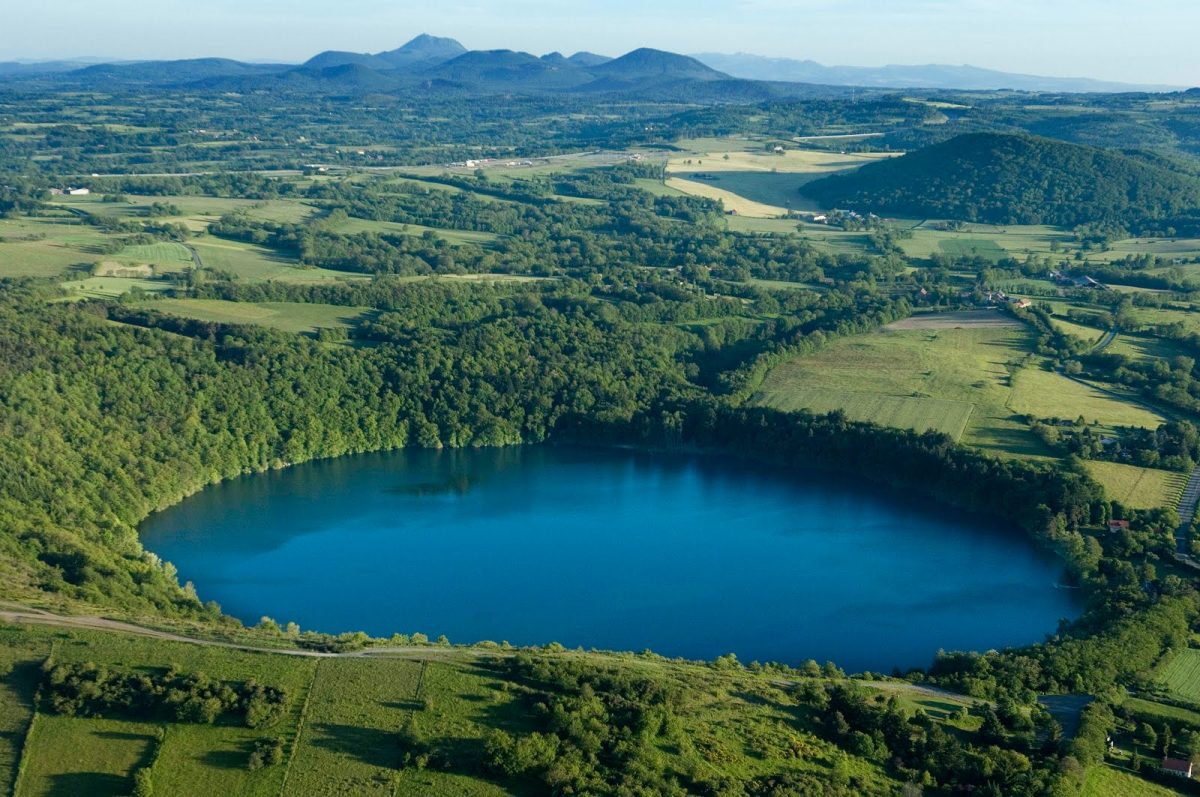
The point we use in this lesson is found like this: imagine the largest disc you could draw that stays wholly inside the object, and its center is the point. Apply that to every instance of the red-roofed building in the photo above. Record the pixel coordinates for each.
(1176, 766)
(1118, 525)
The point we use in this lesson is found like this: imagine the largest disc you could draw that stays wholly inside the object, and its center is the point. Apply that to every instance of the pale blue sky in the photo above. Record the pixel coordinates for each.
(1131, 40)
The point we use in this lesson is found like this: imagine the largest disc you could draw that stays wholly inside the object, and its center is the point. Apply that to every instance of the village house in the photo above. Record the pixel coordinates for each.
(1022, 304)
(1118, 525)
(1178, 767)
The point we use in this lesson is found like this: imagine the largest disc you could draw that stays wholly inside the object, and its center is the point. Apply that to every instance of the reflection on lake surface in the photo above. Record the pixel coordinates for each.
(689, 556)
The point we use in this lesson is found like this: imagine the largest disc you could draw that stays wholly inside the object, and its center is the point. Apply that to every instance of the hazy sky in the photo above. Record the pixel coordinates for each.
(1131, 40)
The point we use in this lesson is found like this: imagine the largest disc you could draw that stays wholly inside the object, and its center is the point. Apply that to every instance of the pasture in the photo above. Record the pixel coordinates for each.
(737, 203)
(287, 316)
(458, 237)
(1104, 780)
(74, 756)
(752, 180)
(47, 247)
(342, 732)
(348, 741)
(955, 380)
(1046, 394)
(20, 670)
(1181, 675)
(1138, 488)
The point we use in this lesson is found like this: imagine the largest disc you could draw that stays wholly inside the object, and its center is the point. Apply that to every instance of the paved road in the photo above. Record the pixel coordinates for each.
(1105, 341)
(1187, 510)
(199, 264)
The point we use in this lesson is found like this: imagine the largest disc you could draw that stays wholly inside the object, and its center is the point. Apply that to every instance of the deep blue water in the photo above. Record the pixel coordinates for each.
(689, 556)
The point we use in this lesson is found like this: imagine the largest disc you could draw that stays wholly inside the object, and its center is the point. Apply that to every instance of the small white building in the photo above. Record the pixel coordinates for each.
(79, 191)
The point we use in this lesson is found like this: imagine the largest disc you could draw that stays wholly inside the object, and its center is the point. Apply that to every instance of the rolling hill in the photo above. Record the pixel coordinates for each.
(1016, 179)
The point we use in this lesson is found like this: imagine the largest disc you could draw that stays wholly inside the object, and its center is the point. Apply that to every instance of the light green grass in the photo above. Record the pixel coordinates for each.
(110, 287)
(958, 378)
(352, 226)
(203, 759)
(775, 189)
(1162, 711)
(287, 316)
(1143, 349)
(1182, 674)
(1138, 488)
(165, 253)
(20, 666)
(985, 248)
(901, 412)
(1088, 334)
(1046, 394)
(46, 247)
(349, 743)
(1107, 781)
(259, 264)
(93, 757)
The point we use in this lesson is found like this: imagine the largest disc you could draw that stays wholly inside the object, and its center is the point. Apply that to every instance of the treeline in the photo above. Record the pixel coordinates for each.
(91, 690)
(1174, 445)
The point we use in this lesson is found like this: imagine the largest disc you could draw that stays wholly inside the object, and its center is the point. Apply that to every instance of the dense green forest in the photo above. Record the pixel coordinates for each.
(1019, 179)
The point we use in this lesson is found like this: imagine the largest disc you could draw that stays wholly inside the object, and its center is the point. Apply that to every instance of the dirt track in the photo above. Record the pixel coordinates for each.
(40, 617)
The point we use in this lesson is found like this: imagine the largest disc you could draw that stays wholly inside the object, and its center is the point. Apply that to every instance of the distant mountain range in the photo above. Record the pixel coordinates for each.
(930, 76)
(432, 64)
(429, 64)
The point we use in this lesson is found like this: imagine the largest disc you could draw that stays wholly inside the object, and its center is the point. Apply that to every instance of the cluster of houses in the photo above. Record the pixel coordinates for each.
(479, 163)
(1000, 297)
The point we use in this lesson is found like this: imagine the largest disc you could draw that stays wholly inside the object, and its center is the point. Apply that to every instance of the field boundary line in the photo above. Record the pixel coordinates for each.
(312, 684)
(23, 758)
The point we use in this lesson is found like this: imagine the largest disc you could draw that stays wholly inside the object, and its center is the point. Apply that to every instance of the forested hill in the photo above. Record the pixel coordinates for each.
(1018, 179)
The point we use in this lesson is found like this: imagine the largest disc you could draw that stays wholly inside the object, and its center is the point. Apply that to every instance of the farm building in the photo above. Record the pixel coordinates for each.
(1118, 525)
(1178, 767)
(1021, 304)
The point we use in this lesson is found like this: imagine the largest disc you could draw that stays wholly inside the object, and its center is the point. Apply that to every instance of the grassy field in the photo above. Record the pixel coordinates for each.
(31, 247)
(204, 759)
(257, 264)
(1139, 488)
(165, 254)
(752, 180)
(986, 248)
(1106, 781)
(20, 672)
(341, 732)
(1182, 674)
(93, 757)
(348, 742)
(352, 226)
(950, 379)
(985, 240)
(1046, 394)
(110, 287)
(287, 316)
(732, 202)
